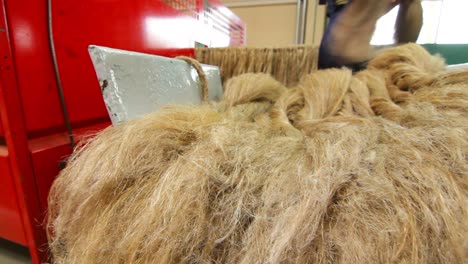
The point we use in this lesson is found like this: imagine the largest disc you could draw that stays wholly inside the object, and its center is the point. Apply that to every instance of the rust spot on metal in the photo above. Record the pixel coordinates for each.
(104, 84)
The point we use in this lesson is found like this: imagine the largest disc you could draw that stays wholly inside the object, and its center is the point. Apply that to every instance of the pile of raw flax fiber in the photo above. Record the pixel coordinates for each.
(369, 168)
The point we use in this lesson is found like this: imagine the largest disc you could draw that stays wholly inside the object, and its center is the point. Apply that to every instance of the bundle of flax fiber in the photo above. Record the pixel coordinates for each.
(286, 65)
(369, 168)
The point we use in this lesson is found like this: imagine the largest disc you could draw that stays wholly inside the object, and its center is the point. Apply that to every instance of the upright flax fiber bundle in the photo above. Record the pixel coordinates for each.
(286, 65)
(332, 170)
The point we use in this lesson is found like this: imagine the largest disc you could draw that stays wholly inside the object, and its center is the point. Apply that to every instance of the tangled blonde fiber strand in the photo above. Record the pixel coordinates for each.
(333, 170)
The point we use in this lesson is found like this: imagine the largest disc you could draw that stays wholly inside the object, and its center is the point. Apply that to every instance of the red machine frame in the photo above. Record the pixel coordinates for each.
(33, 132)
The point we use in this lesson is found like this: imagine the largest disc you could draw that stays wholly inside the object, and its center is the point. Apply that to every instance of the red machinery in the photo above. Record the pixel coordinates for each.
(44, 97)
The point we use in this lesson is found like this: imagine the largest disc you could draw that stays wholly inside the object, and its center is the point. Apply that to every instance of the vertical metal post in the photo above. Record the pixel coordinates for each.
(314, 30)
(298, 21)
(303, 21)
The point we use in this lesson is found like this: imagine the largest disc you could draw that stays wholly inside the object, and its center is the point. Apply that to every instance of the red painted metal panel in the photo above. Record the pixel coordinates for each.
(48, 152)
(29, 39)
(2, 132)
(225, 19)
(120, 24)
(31, 119)
(11, 226)
(218, 4)
(148, 26)
(12, 118)
(1, 128)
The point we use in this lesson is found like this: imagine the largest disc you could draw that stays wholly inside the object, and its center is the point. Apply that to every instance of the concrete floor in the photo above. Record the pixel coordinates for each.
(11, 253)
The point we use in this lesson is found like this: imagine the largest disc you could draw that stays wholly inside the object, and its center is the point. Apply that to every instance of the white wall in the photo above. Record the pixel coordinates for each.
(273, 22)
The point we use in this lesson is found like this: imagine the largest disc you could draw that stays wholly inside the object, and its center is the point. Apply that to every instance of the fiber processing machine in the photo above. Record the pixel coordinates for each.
(49, 95)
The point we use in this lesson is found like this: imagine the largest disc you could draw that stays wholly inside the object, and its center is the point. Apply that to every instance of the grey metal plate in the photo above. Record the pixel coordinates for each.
(463, 66)
(134, 84)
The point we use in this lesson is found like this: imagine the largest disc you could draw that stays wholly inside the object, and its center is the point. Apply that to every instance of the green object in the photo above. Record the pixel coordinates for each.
(200, 45)
(453, 53)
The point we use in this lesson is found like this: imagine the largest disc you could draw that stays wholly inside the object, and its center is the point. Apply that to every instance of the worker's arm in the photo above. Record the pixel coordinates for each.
(346, 41)
(351, 32)
(409, 21)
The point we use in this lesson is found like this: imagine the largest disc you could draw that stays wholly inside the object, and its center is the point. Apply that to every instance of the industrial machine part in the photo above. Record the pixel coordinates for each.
(134, 84)
(33, 124)
(462, 66)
